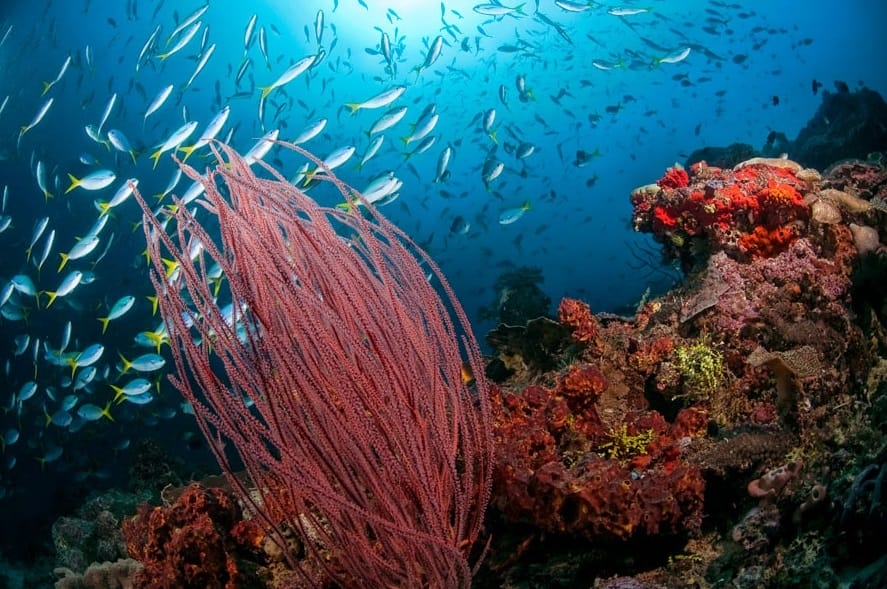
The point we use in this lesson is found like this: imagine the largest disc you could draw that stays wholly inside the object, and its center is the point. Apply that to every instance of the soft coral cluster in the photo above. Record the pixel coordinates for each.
(199, 541)
(751, 211)
(553, 466)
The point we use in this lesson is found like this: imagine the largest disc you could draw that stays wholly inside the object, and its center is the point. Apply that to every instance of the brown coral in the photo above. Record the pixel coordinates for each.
(200, 541)
(577, 316)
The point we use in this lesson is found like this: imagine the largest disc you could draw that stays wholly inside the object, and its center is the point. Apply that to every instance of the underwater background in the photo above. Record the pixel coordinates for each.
(579, 103)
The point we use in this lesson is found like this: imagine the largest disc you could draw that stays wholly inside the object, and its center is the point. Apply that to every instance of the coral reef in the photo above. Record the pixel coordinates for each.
(200, 540)
(733, 427)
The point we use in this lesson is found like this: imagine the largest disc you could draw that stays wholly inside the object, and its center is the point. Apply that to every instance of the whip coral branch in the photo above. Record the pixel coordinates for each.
(335, 376)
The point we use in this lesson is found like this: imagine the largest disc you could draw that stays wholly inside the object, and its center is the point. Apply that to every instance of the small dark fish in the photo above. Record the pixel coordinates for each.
(739, 58)
(775, 101)
(112, 22)
(816, 86)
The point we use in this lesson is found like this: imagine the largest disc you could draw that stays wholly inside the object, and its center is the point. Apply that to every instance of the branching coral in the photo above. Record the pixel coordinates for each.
(701, 365)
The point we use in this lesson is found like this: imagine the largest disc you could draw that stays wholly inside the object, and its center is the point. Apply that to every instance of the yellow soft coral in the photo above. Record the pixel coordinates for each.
(624, 446)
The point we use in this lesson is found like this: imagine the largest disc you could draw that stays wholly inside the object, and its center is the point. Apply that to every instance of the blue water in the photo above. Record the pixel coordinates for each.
(641, 115)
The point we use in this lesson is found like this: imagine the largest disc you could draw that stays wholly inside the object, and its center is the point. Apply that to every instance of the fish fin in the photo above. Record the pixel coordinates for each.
(64, 261)
(106, 412)
(170, 265)
(75, 182)
(126, 363)
(156, 157)
(188, 150)
(118, 394)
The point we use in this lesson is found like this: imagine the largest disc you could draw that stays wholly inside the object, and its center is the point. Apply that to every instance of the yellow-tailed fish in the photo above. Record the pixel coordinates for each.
(157, 102)
(212, 129)
(291, 73)
(44, 108)
(121, 143)
(378, 101)
(48, 85)
(200, 64)
(187, 22)
(175, 140)
(184, 40)
(81, 249)
(118, 309)
(66, 287)
(94, 181)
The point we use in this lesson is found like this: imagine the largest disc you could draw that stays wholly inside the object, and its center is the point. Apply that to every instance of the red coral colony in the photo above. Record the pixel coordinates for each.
(753, 211)
(695, 443)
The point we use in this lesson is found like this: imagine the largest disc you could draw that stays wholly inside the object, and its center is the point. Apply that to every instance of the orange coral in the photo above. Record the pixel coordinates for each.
(764, 243)
(577, 316)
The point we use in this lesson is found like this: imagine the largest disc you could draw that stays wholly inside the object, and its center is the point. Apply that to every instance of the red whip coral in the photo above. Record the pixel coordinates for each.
(753, 210)
(337, 378)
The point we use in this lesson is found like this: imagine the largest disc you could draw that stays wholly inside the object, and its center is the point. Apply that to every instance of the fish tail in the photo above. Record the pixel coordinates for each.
(52, 295)
(126, 363)
(47, 195)
(406, 140)
(156, 157)
(520, 8)
(104, 207)
(24, 130)
(525, 206)
(493, 137)
(106, 412)
(187, 151)
(104, 321)
(154, 300)
(163, 56)
(133, 154)
(64, 261)
(170, 265)
(75, 182)
(46, 87)
(354, 106)
(266, 90)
